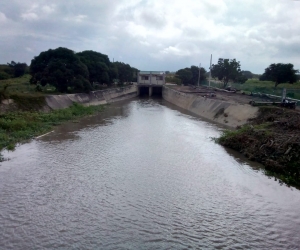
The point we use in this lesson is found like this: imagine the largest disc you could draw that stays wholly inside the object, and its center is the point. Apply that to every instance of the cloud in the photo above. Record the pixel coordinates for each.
(151, 34)
(48, 9)
(2, 17)
(77, 18)
(181, 50)
(30, 16)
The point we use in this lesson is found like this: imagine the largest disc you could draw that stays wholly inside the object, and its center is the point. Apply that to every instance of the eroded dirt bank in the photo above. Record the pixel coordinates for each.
(273, 139)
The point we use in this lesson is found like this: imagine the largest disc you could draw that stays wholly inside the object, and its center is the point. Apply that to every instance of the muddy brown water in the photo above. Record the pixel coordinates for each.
(141, 175)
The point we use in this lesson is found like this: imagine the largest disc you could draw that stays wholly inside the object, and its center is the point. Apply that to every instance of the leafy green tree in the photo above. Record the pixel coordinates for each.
(61, 68)
(135, 72)
(185, 75)
(241, 78)
(98, 65)
(195, 73)
(280, 73)
(4, 75)
(191, 75)
(247, 74)
(19, 69)
(113, 72)
(227, 70)
(125, 72)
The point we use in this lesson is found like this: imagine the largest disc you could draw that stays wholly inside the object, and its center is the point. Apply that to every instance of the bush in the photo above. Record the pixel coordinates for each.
(4, 76)
(19, 126)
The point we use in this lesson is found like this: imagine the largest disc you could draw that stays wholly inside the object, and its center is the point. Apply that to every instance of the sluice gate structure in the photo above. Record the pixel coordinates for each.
(150, 83)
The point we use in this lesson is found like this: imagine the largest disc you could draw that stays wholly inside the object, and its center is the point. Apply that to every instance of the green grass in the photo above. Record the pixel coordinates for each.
(227, 134)
(172, 79)
(17, 127)
(253, 84)
(21, 85)
(266, 87)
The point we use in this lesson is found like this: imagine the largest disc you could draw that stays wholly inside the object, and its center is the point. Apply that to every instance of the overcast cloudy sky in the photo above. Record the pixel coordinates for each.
(155, 34)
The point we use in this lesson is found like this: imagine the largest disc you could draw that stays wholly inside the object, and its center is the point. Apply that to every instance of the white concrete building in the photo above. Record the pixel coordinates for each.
(151, 78)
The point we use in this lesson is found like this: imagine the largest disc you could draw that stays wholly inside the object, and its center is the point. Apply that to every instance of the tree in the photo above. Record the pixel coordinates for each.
(280, 73)
(195, 72)
(191, 75)
(227, 70)
(113, 72)
(185, 75)
(61, 68)
(19, 69)
(125, 72)
(247, 74)
(98, 65)
(4, 76)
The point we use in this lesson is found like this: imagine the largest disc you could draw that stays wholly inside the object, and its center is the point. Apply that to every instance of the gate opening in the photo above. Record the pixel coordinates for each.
(150, 91)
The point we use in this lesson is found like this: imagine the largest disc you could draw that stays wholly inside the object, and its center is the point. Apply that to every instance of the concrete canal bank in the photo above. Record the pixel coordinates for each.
(93, 98)
(223, 112)
(226, 113)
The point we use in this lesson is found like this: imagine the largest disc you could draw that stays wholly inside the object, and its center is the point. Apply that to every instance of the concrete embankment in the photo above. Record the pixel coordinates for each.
(92, 98)
(225, 113)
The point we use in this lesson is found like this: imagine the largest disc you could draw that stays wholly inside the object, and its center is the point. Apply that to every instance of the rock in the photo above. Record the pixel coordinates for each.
(7, 101)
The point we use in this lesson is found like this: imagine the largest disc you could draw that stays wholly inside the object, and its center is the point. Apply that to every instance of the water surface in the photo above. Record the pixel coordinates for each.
(142, 175)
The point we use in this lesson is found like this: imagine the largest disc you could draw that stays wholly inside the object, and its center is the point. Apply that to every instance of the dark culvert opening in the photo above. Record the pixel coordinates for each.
(157, 91)
(144, 91)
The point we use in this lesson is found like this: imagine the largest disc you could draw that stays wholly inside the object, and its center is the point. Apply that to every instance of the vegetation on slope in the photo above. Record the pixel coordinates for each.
(273, 139)
(17, 127)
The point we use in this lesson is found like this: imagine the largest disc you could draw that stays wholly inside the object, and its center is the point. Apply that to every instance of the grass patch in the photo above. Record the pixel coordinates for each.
(29, 101)
(17, 127)
(21, 85)
(266, 87)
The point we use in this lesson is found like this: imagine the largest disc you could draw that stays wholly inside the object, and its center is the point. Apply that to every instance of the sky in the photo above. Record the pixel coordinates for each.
(155, 34)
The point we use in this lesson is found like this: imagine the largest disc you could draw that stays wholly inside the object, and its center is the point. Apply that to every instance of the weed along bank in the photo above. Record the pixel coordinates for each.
(25, 117)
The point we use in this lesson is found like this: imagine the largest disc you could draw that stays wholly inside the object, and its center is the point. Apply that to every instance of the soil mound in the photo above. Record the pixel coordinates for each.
(273, 139)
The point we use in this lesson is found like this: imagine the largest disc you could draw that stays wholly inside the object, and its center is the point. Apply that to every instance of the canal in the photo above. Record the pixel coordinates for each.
(141, 175)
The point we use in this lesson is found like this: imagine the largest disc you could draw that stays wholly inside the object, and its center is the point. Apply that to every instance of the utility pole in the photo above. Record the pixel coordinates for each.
(199, 74)
(210, 70)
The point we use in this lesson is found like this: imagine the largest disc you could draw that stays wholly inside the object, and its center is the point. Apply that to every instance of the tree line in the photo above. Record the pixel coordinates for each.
(229, 70)
(13, 69)
(69, 71)
(84, 71)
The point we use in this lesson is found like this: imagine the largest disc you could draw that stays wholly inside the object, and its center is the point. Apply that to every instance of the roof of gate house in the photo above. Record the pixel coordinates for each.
(151, 72)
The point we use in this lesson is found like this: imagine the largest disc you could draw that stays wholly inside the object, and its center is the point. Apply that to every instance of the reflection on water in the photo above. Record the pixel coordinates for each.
(141, 175)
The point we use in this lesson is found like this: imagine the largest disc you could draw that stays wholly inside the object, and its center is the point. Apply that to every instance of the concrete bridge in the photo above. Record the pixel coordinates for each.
(150, 82)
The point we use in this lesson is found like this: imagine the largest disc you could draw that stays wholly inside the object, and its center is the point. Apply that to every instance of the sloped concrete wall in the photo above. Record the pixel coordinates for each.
(93, 98)
(225, 113)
